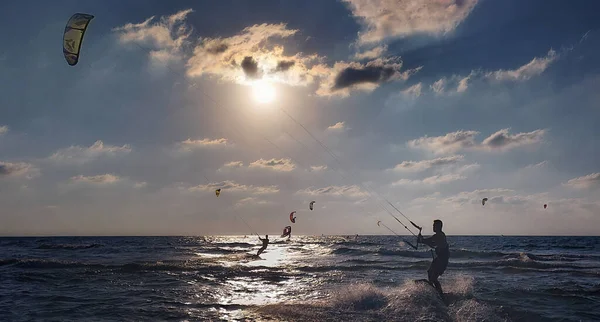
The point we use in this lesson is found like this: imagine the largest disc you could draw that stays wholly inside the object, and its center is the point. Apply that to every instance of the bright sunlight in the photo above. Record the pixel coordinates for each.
(263, 91)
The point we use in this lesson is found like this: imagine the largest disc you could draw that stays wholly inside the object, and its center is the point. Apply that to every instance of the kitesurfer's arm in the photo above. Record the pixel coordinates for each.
(429, 241)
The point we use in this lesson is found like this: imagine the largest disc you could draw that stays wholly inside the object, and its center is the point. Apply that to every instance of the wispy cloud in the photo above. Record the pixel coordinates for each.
(101, 179)
(449, 143)
(284, 165)
(585, 182)
(535, 67)
(372, 53)
(79, 155)
(389, 19)
(18, 169)
(316, 168)
(413, 91)
(427, 164)
(232, 186)
(433, 180)
(249, 201)
(189, 144)
(339, 126)
(350, 191)
(459, 140)
(165, 37)
(3, 129)
(502, 140)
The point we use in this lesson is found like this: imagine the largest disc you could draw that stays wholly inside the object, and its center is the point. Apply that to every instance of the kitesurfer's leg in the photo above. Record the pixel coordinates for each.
(433, 273)
(262, 249)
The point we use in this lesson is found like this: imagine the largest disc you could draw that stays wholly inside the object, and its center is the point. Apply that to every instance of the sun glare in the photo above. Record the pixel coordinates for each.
(263, 91)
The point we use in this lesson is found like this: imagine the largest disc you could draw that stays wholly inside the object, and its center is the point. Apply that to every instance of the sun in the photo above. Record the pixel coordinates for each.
(263, 91)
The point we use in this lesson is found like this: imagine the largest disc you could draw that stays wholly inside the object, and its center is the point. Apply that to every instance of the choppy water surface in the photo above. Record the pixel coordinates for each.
(365, 278)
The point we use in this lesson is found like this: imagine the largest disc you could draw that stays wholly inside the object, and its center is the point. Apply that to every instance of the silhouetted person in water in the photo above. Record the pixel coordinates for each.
(442, 254)
(264, 246)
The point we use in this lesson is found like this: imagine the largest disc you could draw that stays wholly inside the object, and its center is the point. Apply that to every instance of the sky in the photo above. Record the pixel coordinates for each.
(426, 105)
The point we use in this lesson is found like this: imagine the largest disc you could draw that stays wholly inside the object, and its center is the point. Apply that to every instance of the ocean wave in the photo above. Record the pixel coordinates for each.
(408, 302)
(68, 246)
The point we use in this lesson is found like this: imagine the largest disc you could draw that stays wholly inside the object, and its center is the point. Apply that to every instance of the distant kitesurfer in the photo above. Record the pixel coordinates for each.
(264, 246)
(442, 254)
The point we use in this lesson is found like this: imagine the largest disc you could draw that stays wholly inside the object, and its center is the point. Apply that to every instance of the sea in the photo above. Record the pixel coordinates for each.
(308, 278)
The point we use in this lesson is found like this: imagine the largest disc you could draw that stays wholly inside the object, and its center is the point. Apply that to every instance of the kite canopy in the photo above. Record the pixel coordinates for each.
(483, 201)
(292, 218)
(218, 192)
(73, 36)
(311, 205)
(545, 206)
(287, 231)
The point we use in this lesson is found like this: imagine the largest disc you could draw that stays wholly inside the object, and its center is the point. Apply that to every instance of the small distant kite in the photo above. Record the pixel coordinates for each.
(311, 205)
(545, 206)
(483, 201)
(218, 192)
(73, 36)
(292, 218)
(379, 223)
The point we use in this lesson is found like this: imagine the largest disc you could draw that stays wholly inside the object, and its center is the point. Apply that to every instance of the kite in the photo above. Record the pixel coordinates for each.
(73, 36)
(545, 205)
(292, 218)
(311, 205)
(287, 231)
(218, 192)
(483, 201)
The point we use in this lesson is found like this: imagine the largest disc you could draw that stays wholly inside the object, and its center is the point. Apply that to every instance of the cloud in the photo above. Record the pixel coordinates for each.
(102, 179)
(284, 165)
(250, 55)
(389, 19)
(449, 143)
(234, 164)
(316, 168)
(427, 164)
(584, 182)
(250, 67)
(79, 155)
(17, 169)
(371, 53)
(140, 185)
(535, 67)
(231, 186)
(475, 197)
(459, 140)
(3, 129)
(502, 140)
(245, 202)
(166, 36)
(350, 191)
(189, 144)
(344, 77)
(463, 84)
(439, 86)
(433, 180)
(339, 126)
(413, 91)
(537, 165)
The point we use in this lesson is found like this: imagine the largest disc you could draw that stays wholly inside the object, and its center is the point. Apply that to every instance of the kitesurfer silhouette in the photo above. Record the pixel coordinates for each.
(265, 242)
(442, 254)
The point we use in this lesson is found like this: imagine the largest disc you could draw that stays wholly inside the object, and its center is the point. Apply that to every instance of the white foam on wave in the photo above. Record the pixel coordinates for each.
(407, 302)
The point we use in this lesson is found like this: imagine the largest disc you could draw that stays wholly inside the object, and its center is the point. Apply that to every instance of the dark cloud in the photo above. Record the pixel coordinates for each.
(284, 65)
(250, 67)
(353, 76)
(217, 49)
